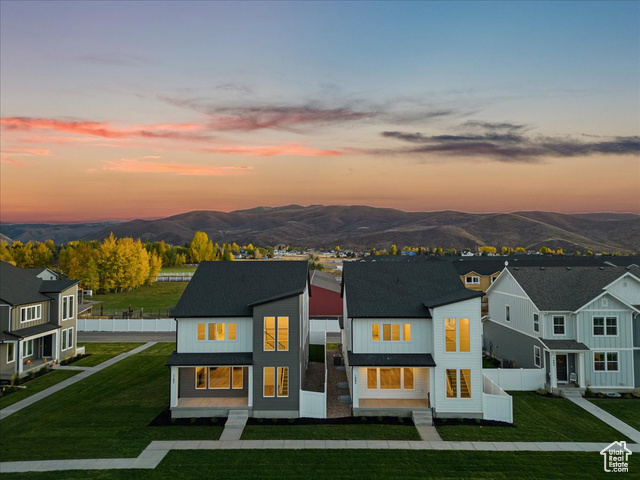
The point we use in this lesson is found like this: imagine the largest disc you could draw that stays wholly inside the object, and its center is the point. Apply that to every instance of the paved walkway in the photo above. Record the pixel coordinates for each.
(151, 457)
(87, 372)
(235, 424)
(606, 417)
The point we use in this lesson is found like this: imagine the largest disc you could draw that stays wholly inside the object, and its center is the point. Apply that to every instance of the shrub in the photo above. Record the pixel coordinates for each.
(541, 391)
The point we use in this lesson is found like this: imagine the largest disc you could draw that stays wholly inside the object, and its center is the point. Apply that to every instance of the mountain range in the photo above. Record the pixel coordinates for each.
(363, 227)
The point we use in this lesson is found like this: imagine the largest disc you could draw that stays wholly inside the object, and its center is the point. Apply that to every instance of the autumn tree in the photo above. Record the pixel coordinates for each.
(315, 263)
(6, 254)
(201, 249)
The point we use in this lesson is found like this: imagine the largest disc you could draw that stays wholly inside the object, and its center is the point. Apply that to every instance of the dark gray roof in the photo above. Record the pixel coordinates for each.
(401, 288)
(56, 286)
(324, 280)
(35, 330)
(390, 360)
(570, 345)
(491, 265)
(207, 359)
(231, 288)
(566, 289)
(18, 286)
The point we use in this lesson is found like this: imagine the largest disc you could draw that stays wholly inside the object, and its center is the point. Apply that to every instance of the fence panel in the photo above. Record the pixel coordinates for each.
(126, 325)
(497, 407)
(312, 404)
(517, 379)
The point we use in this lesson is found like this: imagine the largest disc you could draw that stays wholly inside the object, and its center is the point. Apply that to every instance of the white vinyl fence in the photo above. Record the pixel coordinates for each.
(318, 328)
(518, 379)
(496, 403)
(314, 404)
(126, 325)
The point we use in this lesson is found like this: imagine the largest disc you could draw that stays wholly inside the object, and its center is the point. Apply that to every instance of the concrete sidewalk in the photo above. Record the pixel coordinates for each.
(151, 457)
(87, 372)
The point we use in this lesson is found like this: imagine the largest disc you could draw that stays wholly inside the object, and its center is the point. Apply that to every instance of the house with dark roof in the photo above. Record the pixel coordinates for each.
(411, 339)
(37, 320)
(242, 340)
(580, 324)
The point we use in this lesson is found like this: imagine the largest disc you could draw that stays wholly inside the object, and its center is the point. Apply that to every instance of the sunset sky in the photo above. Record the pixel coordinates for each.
(120, 110)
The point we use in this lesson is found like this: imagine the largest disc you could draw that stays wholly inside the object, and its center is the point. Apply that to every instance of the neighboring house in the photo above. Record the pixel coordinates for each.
(37, 320)
(43, 273)
(325, 307)
(242, 340)
(580, 324)
(411, 339)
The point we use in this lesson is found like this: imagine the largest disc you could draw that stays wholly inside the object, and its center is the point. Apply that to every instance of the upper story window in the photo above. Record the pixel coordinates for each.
(472, 279)
(605, 326)
(67, 307)
(458, 383)
(558, 325)
(536, 322)
(217, 331)
(31, 313)
(270, 339)
(391, 332)
(457, 335)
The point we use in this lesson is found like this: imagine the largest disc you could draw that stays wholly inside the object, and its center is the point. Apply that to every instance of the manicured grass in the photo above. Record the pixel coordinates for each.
(316, 353)
(626, 410)
(538, 419)
(158, 295)
(183, 269)
(36, 385)
(101, 352)
(330, 432)
(105, 415)
(356, 465)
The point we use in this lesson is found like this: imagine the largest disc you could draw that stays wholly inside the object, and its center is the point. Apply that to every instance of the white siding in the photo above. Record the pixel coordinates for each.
(614, 308)
(421, 336)
(569, 325)
(521, 308)
(623, 378)
(420, 390)
(188, 336)
(627, 289)
(457, 360)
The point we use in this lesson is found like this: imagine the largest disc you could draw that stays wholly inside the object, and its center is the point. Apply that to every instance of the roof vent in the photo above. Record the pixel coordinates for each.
(568, 268)
(601, 268)
(515, 268)
(541, 268)
(506, 263)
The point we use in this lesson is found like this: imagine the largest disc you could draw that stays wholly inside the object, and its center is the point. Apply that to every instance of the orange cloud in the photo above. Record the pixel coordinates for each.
(27, 151)
(11, 161)
(291, 149)
(135, 165)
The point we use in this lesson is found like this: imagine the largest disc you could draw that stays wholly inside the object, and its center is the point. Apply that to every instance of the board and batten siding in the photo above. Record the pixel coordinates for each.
(420, 390)
(623, 378)
(188, 336)
(506, 291)
(627, 289)
(506, 343)
(421, 336)
(15, 316)
(288, 307)
(546, 321)
(614, 308)
(471, 360)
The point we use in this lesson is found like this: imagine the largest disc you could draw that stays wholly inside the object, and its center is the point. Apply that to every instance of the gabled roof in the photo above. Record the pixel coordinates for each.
(56, 286)
(324, 280)
(232, 288)
(401, 288)
(566, 289)
(19, 287)
(491, 265)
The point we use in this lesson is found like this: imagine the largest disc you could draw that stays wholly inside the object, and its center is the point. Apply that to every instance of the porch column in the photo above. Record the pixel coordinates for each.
(55, 347)
(19, 359)
(250, 387)
(174, 387)
(581, 371)
(355, 399)
(553, 381)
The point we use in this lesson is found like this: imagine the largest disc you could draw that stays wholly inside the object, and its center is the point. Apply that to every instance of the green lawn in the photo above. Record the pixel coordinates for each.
(159, 295)
(330, 432)
(36, 385)
(538, 419)
(105, 415)
(101, 352)
(356, 465)
(626, 410)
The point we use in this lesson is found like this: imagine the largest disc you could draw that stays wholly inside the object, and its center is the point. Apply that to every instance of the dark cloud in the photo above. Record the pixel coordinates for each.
(494, 126)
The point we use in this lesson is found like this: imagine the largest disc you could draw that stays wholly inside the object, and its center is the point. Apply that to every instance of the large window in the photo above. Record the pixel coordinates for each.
(219, 378)
(283, 333)
(64, 339)
(11, 352)
(201, 331)
(536, 322)
(65, 301)
(558, 325)
(237, 380)
(605, 326)
(391, 332)
(457, 339)
(537, 360)
(605, 361)
(28, 314)
(390, 378)
(216, 331)
(70, 307)
(201, 378)
(70, 339)
(270, 334)
(283, 381)
(375, 332)
(269, 381)
(458, 383)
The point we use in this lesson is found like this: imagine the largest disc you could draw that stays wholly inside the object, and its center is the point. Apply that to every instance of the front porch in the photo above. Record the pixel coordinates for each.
(566, 367)
(396, 407)
(192, 407)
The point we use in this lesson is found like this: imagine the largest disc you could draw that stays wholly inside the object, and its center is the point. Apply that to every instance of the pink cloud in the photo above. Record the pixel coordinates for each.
(12, 161)
(135, 165)
(291, 149)
(27, 151)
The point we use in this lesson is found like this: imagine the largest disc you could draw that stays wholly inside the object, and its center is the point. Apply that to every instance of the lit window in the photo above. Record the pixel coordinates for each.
(283, 333)
(452, 383)
(390, 378)
(408, 378)
(537, 361)
(375, 332)
(386, 332)
(450, 334)
(605, 361)
(558, 325)
(201, 377)
(465, 383)
(212, 331)
(536, 322)
(237, 380)
(269, 334)
(283, 381)
(11, 352)
(395, 332)
(268, 374)
(219, 377)
(465, 335)
(406, 332)
(232, 331)
(201, 331)
(372, 378)
(219, 331)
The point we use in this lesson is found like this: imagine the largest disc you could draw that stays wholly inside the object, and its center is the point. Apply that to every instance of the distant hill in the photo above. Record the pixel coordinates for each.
(363, 226)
